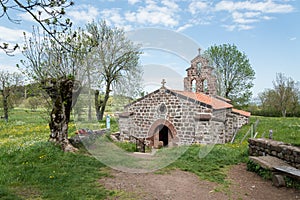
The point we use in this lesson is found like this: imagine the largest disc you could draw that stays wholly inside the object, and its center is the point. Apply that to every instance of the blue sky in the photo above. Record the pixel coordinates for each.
(266, 31)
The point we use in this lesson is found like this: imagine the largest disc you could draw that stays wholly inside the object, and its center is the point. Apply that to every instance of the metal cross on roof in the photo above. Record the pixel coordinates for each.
(163, 82)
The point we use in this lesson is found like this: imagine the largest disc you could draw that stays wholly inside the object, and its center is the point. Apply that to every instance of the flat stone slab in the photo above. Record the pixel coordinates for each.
(291, 171)
(276, 165)
(269, 162)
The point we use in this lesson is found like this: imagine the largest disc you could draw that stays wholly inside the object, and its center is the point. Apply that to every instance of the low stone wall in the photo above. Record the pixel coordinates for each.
(286, 152)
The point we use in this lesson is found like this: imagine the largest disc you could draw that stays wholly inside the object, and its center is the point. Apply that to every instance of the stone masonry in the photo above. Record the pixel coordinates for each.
(189, 122)
(202, 75)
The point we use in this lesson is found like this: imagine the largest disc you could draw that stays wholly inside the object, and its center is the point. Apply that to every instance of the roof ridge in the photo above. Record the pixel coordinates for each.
(205, 98)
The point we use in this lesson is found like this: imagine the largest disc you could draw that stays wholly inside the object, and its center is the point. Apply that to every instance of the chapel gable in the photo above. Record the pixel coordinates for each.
(200, 77)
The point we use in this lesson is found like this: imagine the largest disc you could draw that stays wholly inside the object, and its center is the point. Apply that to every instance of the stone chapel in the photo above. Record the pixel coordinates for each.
(194, 115)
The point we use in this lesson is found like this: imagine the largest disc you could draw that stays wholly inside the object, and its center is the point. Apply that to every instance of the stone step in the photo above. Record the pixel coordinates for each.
(290, 171)
(268, 162)
(278, 167)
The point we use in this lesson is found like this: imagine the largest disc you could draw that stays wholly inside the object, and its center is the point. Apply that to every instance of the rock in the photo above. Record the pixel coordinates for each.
(278, 180)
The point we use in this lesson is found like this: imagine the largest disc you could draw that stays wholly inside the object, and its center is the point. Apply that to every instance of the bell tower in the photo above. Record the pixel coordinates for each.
(200, 77)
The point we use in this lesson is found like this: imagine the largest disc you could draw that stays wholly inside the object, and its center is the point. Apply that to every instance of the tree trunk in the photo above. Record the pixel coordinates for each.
(89, 97)
(103, 105)
(5, 95)
(5, 107)
(25, 92)
(63, 94)
(90, 106)
(283, 112)
(97, 104)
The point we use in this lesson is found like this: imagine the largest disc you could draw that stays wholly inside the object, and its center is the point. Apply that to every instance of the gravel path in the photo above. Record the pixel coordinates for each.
(180, 185)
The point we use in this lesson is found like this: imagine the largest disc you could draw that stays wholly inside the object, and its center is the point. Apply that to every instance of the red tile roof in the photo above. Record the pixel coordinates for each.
(209, 100)
(223, 99)
(241, 112)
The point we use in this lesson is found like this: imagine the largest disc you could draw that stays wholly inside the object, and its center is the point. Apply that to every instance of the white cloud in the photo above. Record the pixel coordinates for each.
(182, 28)
(9, 68)
(197, 6)
(229, 27)
(84, 13)
(26, 16)
(170, 4)
(239, 27)
(265, 7)
(243, 18)
(12, 35)
(132, 2)
(130, 16)
(267, 17)
(293, 38)
(183, 14)
(201, 12)
(244, 27)
(40, 13)
(252, 14)
(152, 13)
(245, 13)
(113, 17)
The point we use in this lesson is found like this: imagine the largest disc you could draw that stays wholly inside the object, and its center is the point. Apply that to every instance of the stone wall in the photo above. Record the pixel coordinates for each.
(209, 132)
(286, 152)
(240, 120)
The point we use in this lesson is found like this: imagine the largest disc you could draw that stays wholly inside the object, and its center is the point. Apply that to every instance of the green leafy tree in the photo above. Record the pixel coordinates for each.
(58, 71)
(116, 60)
(49, 14)
(233, 72)
(8, 81)
(267, 99)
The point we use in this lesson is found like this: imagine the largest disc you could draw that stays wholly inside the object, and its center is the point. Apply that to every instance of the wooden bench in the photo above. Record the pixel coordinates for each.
(278, 167)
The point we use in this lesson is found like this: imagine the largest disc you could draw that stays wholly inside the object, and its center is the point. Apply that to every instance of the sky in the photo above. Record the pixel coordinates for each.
(171, 31)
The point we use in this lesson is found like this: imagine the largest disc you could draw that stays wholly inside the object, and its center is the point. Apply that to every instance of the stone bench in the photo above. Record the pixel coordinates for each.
(278, 167)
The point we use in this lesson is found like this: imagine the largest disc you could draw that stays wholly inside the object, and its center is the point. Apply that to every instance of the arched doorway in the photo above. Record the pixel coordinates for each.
(162, 133)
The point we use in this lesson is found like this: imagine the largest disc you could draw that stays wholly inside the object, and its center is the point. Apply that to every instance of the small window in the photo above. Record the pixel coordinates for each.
(194, 85)
(205, 86)
(199, 65)
(162, 108)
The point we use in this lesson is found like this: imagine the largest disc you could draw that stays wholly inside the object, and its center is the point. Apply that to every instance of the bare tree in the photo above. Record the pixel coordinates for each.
(283, 99)
(116, 61)
(49, 14)
(58, 71)
(285, 93)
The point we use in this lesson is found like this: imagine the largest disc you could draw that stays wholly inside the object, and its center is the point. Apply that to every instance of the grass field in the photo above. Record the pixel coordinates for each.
(284, 129)
(32, 168)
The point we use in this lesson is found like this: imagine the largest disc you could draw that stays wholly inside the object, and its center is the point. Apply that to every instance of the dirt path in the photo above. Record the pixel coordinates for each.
(179, 185)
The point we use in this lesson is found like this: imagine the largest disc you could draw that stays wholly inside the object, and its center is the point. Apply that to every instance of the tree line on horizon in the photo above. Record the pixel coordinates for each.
(283, 100)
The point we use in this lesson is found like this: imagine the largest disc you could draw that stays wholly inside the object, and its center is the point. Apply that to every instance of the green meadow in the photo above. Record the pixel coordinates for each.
(32, 168)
